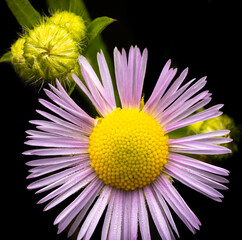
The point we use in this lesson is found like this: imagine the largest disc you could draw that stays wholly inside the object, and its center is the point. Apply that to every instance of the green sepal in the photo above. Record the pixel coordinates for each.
(6, 57)
(97, 26)
(58, 4)
(24, 12)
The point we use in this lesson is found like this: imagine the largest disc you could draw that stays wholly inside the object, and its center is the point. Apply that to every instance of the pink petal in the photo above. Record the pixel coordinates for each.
(143, 217)
(157, 215)
(95, 214)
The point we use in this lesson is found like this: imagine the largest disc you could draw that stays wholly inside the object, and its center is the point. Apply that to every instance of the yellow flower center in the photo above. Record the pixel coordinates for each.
(128, 149)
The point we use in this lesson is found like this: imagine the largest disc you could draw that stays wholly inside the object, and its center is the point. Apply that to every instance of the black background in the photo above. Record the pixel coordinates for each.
(203, 35)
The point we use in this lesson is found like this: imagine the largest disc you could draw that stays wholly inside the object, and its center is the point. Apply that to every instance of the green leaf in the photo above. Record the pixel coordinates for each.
(58, 4)
(97, 26)
(79, 7)
(6, 57)
(24, 12)
(76, 6)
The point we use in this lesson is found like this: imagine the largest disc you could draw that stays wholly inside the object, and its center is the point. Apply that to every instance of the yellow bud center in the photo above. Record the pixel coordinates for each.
(128, 149)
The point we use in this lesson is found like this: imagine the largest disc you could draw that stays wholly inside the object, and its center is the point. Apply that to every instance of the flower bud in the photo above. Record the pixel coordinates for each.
(18, 59)
(50, 50)
(73, 23)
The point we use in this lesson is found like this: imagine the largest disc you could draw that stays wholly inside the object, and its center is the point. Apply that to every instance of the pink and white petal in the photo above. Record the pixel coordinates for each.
(54, 177)
(143, 217)
(165, 102)
(139, 75)
(199, 148)
(92, 77)
(188, 161)
(180, 106)
(133, 215)
(127, 83)
(217, 140)
(93, 187)
(117, 215)
(57, 160)
(95, 214)
(192, 182)
(64, 123)
(54, 129)
(101, 105)
(78, 213)
(97, 102)
(33, 134)
(106, 78)
(202, 176)
(158, 106)
(61, 181)
(130, 215)
(42, 124)
(57, 110)
(76, 181)
(85, 90)
(81, 115)
(121, 72)
(157, 215)
(42, 170)
(164, 206)
(79, 210)
(128, 75)
(173, 89)
(63, 94)
(72, 189)
(177, 203)
(108, 216)
(126, 215)
(55, 151)
(160, 87)
(198, 117)
(171, 96)
(184, 112)
(201, 136)
(65, 143)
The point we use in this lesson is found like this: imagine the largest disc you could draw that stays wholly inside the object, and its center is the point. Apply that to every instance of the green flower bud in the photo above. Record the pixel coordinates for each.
(50, 51)
(18, 59)
(72, 22)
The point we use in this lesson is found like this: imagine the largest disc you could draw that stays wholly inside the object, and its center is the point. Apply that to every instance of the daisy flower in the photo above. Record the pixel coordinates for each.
(122, 163)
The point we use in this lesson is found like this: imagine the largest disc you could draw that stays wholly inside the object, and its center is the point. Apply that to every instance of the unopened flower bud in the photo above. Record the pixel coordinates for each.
(50, 50)
(18, 59)
(73, 23)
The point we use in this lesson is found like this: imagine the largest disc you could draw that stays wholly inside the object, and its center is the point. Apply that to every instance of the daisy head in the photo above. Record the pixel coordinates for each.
(123, 163)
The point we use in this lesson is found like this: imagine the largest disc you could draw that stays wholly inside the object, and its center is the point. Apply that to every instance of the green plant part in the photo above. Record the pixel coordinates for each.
(73, 23)
(50, 51)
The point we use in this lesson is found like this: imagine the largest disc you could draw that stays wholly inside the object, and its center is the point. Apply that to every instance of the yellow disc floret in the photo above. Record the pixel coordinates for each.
(128, 149)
